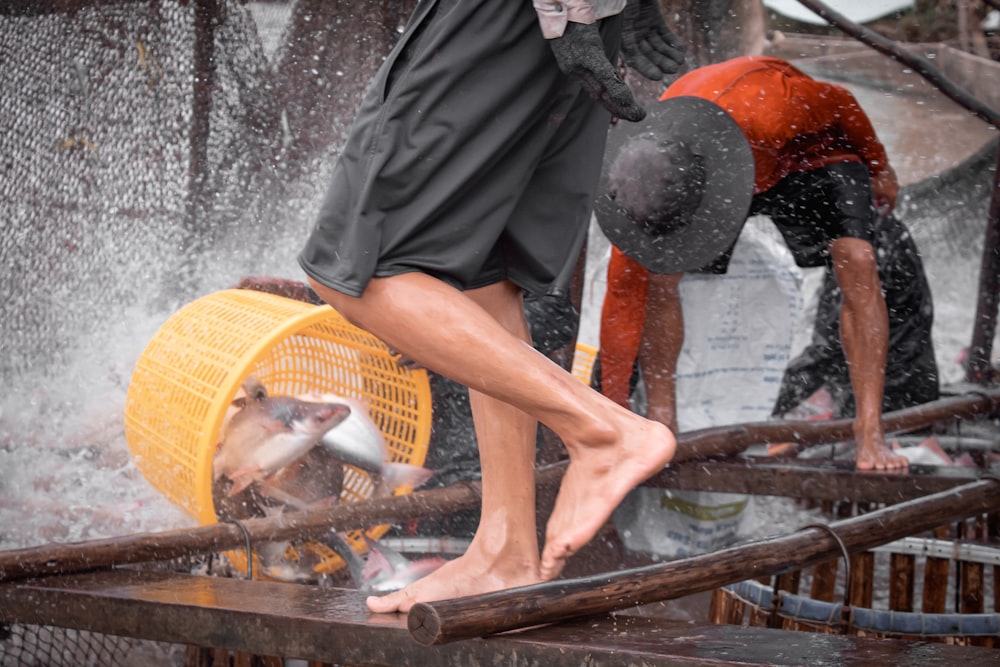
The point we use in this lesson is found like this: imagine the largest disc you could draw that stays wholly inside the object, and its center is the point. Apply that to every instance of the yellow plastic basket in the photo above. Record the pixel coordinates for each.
(192, 368)
(584, 358)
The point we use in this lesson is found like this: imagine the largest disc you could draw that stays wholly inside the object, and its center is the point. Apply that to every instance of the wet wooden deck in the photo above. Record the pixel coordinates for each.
(817, 480)
(333, 626)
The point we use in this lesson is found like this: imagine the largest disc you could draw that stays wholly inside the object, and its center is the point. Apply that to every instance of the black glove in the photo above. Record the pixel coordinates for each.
(647, 43)
(580, 53)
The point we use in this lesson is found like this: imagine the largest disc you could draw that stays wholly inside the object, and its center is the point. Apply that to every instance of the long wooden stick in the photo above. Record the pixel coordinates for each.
(475, 616)
(715, 442)
(921, 65)
(146, 547)
(722, 441)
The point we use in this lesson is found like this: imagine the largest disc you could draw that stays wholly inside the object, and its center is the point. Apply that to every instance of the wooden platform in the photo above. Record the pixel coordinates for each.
(811, 479)
(333, 626)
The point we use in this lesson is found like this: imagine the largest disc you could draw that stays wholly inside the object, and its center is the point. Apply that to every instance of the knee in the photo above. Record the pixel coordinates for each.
(342, 303)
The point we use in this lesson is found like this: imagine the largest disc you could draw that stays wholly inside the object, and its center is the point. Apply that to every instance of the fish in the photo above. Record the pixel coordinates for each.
(250, 391)
(312, 481)
(290, 561)
(357, 441)
(385, 570)
(269, 433)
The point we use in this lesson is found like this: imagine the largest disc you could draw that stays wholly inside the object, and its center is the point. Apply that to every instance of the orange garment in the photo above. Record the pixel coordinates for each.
(622, 317)
(793, 122)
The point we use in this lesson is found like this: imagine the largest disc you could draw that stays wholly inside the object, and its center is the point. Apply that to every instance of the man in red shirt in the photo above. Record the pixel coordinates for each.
(816, 168)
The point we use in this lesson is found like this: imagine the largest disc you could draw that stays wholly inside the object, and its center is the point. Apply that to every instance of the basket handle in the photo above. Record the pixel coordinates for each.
(845, 609)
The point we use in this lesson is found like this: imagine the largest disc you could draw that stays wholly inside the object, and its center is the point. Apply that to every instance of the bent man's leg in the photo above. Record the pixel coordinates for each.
(611, 449)
(662, 340)
(864, 334)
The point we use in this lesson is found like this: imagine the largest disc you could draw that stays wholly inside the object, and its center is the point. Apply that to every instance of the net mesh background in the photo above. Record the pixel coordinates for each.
(120, 188)
(104, 208)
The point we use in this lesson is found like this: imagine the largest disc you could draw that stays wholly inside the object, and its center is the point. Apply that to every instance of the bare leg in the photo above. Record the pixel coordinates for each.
(504, 551)
(611, 450)
(864, 333)
(662, 340)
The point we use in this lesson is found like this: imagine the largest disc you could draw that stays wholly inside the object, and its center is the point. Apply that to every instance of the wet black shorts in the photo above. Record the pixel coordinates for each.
(473, 158)
(813, 208)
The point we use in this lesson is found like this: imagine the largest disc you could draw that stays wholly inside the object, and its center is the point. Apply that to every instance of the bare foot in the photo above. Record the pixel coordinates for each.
(473, 573)
(874, 454)
(597, 480)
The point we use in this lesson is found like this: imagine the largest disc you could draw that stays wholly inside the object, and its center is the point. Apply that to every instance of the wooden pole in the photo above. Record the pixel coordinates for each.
(921, 65)
(717, 442)
(722, 441)
(146, 547)
(979, 367)
(475, 616)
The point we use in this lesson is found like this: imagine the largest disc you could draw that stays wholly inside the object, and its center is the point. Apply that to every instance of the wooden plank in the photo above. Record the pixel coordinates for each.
(971, 583)
(824, 583)
(477, 615)
(817, 481)
(862, 579)
(789, 581)
(902, 570)
(935, 585)
(717, 607)
(333, 626)
(996, 588)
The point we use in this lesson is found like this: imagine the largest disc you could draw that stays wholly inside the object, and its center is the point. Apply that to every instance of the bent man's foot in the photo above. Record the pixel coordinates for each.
(877, 455)
(469, 574)
(596, 481)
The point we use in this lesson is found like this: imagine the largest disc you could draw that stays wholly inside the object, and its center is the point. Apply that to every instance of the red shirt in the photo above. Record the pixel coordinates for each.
(793, 123)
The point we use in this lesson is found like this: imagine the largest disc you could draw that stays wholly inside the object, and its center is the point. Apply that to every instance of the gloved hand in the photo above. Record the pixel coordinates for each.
(580, 53)
(648, 44)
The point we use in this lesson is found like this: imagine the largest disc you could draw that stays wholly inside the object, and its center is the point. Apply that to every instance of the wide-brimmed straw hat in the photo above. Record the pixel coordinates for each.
(676, 187)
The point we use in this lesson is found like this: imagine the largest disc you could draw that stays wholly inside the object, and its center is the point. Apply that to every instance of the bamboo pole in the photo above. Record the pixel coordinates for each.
(921, 65)
(722, 441)
(475, 616)
(979, 368)
(146, 547)
(716, 442)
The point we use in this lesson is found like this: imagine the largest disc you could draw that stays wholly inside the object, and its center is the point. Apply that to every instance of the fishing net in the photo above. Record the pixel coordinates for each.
(947, 216)
(58, 647)
(153, 151)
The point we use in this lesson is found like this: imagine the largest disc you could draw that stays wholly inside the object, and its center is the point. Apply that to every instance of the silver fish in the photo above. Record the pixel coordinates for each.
(385, 570)
(313, 480)
(252, 390)
(269, 433)
(357, 441)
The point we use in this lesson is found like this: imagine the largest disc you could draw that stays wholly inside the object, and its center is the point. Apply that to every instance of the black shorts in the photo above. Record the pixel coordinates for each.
(473, 158)
(812, 209)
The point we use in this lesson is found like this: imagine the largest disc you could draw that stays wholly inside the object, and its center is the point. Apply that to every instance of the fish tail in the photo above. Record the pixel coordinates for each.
(403, 476)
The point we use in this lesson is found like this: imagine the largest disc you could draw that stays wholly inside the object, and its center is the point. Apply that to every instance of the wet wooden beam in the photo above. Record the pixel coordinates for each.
(824, 481)
(980, 367)
(477, 615)
(811, 480)
(821, 481)
(333, 626)
(920, 64)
